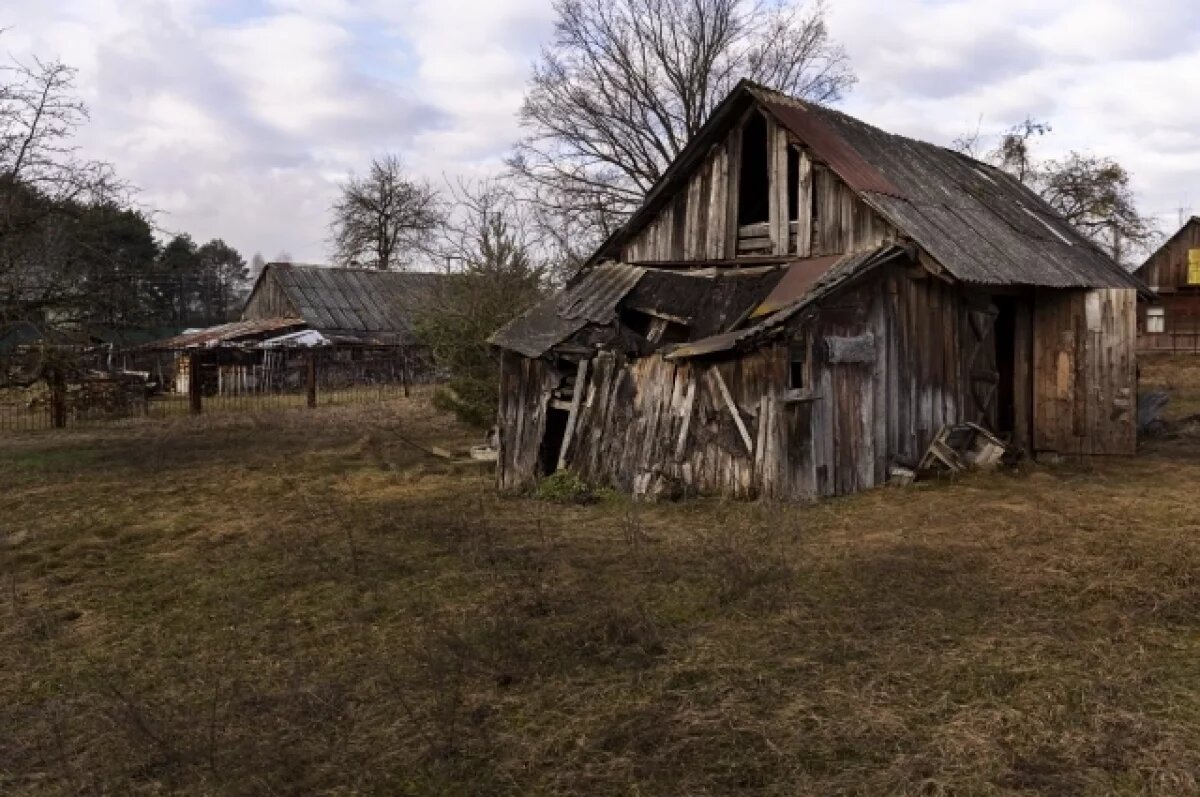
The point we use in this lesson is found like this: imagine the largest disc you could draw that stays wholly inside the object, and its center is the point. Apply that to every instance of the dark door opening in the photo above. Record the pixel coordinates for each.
(1006, 361)
(552, 440)
(754, 195)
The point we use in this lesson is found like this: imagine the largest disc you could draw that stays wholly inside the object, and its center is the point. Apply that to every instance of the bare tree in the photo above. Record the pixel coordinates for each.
(625, 84)
(1093, 193)
(494, 259)
(45, 187)
(382, 219)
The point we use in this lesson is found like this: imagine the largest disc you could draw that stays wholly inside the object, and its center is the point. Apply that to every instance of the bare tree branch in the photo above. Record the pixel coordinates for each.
(384, 220)
(625, 84)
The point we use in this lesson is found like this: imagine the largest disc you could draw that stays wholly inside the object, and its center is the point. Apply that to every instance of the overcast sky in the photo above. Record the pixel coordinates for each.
(237, 118)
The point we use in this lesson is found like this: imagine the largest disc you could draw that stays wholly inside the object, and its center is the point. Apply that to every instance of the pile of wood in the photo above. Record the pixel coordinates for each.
(960, 447)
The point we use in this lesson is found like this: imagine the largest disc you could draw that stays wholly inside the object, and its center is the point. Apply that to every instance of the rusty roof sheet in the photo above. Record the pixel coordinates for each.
(357, 305)
(844, 270)
(797, 281)
(233, 333)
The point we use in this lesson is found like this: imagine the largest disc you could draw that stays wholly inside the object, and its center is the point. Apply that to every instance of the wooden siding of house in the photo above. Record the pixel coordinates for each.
(1084, 372)
(268, 301)
(699, 222)
(1167, 271)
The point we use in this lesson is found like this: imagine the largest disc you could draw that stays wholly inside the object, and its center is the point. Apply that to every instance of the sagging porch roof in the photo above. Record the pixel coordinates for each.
(721, 308)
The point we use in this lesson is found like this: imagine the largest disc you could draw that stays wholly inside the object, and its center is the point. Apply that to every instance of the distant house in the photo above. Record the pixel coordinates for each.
(802, 302)
(1172, 320)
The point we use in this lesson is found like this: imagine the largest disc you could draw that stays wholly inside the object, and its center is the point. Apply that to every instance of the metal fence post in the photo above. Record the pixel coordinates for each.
(312, 378)
(195, 397)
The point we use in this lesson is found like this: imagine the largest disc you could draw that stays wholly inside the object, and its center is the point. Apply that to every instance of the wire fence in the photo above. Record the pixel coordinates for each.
(241, 379)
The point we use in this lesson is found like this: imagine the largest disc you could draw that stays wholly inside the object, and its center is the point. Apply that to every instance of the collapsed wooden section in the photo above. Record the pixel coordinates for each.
(862, 383)
(801, 304)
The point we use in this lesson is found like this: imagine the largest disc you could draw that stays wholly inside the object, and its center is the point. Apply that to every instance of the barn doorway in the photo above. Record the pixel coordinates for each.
(552, 440)
(1006, 362)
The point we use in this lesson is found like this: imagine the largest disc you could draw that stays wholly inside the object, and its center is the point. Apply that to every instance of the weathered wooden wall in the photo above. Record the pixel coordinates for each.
(525, 388)
(268, 301)
(922, 354)
(1085, 372)
(699, 222)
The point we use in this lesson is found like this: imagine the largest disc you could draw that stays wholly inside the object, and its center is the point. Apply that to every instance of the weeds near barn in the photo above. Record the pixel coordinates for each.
(310, 602)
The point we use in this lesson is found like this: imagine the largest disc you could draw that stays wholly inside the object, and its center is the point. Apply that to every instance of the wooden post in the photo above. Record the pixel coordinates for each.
(58, 399)
(312, 378)
(194, 395)
(404, 370)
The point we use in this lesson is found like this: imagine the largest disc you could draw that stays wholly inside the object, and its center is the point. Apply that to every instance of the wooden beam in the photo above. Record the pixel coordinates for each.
(573, 416)
(733, 410)
(777, 154)
(689, 401)
(804, 202)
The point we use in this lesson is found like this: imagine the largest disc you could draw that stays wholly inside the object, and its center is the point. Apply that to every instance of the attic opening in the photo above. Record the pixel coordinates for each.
(754, 195)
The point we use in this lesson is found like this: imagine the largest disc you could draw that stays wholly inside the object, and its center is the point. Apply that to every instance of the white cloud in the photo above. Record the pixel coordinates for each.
(238, 117)
(1112, 77)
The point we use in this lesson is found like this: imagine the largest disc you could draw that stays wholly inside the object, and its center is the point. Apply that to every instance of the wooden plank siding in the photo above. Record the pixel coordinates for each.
(1084, 372)
(700, 221)
(1166, 271)
(269, 300)
(525, 388)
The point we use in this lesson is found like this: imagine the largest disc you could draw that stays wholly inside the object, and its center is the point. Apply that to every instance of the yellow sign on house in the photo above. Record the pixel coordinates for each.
(1194, 267)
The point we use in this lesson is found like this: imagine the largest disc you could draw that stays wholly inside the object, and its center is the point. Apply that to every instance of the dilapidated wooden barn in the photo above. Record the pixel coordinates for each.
(804, 301)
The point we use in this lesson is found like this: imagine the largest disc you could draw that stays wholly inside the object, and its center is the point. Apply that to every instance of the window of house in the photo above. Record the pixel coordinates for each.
(798, 365)
(1156, 319)
(1193, 273)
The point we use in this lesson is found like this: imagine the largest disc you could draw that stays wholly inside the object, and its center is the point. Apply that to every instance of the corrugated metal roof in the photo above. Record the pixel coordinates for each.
(535, 331)
(594, 298)
(357, 304)
(227, 334)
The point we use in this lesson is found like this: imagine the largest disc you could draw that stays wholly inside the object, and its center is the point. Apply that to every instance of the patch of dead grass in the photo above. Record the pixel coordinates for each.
(311, 603)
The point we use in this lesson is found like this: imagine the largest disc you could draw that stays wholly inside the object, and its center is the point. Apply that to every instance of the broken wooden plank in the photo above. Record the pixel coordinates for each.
(573, 416)
(733, 410)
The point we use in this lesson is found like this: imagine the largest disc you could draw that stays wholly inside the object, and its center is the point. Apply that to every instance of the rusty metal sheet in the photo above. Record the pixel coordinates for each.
(228, 334)
(844, 270)
(810, 124)
(797, 281)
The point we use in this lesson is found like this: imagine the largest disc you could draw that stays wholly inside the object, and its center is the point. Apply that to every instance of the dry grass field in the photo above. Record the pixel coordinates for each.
(308, 602)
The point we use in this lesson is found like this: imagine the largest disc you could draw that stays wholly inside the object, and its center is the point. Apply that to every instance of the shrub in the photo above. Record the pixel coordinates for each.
(565, 487)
